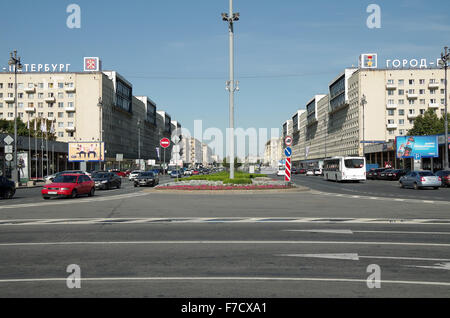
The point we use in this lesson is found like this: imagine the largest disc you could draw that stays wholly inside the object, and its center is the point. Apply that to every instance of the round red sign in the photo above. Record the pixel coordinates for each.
(165, 143)
(288, 141)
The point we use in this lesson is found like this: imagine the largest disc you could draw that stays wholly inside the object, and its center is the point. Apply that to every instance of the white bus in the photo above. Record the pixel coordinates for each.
(345, 169)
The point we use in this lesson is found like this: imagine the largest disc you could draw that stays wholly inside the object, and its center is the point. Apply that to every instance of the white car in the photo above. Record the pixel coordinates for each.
(281, 172)
(188, 172)
(134, 174)
(318, 172)
(310, 173)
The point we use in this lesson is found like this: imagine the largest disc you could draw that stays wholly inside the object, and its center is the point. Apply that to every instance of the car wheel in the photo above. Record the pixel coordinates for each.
(74, 194)
(92, 192)
(416, 186)
(435, 188)
(119, 185)
(9, 194)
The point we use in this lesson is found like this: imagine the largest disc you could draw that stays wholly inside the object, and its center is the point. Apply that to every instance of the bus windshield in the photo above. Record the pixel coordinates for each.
(354, 163)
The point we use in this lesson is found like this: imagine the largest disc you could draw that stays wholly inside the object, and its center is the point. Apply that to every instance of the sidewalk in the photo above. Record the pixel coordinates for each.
(38, 184)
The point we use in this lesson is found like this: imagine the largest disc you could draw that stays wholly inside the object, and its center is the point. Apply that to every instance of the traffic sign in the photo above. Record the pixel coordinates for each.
(288, 141)
(8, 140)
(9, 157)
(417, 156)
(165, 143)
(288, 152)
(9, 149)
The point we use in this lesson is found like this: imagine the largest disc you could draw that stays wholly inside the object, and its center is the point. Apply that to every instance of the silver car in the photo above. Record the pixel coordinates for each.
(420, 179)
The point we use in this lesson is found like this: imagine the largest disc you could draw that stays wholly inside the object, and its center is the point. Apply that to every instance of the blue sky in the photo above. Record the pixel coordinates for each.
(176, 51)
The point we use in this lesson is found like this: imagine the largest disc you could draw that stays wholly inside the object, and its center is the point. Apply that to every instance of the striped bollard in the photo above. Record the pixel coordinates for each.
(287, 173)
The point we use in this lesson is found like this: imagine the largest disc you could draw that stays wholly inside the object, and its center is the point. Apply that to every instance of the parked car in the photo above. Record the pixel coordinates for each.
(187, 172)
(176, 174)
(134, 174)
(383, 175)
(294, 170)
(302, 171)
(195, 172)
(317, 172)
(396, 174)
(445, 177)
(119, 173)
(7, 188)
(310, 173)
(146, 179)
(69, 185)
(420, 179)
(106, 180)
(373, 173)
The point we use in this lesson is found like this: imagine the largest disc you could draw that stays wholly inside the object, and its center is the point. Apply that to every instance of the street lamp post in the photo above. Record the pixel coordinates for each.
(139, 142)
(363, 103)
(231, 87)
(100, 137)
(445, 56)
(14, 60)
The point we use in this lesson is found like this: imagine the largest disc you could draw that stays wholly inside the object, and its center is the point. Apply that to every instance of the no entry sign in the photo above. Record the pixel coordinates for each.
(165, 143)
(288, 141)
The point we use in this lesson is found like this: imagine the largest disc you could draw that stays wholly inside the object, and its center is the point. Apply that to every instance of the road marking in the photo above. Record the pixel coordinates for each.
(68, 201)
(209, 220)
(356, 257)
(356, 231)
(445, 266)
(291, 279)
(222, 243)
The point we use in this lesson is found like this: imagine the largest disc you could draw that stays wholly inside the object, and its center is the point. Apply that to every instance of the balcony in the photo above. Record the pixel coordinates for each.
(391, 106)
(411, 95)
(30, 109)
(9, 100)
(391, 86)
(433, 85)
(70, 109)
(70, 89)
(391, 126)
(30, 89)
(412, 116)
(70, 129)
(50, 100)
(433, 105)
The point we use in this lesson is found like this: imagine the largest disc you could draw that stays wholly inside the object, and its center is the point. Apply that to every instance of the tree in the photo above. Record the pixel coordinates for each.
(227, 165)
(7, 127)
(427, 124)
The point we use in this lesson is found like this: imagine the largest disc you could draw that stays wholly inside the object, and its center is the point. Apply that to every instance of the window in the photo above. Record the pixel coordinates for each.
(1, 115)
(401, 112)
(422, 102)
(433, 91)
(30, 85)
(10, 85)
(1, 85)
(422, 111)
(60, 125)
(390, 81)
(411, 91)
(390, 121)
(40, 85)
(401, 92)
(391, 132)
(69, 95)
(60, 115)
(1, 105)
(391, 112)
(60, 85)
(70, 124)
(60, 134)
(433, 81)
(401, 82)
(70, 115)
(402, 132)
(390, 92)
(10, 115)
(40, 95)
(50, 95)
(401, 122)
(442, 91)
(70, 85)
(390, 101)
(20, 115)
(411, 101)
(31, 96)
(30, 105)
(421, 91)
(1, 95)
(70, 134)
(442, 101)
(20, 85)
(421, 81)
(50, 114)
(40, 115)
(60, 95)
(60, 105)
(50, 85)
(19, 105)
(70, 104)
(412, 111)
(411, 82)
(442, 81)
(40, 105)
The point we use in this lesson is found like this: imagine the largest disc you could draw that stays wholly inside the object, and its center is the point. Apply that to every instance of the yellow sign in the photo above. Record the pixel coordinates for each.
(86, 151)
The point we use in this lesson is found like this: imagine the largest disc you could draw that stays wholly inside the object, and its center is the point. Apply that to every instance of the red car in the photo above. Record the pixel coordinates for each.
(69, 185)
(120, 173)
(195, 172)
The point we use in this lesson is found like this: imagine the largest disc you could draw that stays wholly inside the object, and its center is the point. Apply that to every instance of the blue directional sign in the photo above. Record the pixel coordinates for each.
(288, 152)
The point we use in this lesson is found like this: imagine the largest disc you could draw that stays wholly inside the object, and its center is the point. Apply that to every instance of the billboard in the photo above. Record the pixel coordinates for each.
(368, 61)
(86, 151)
(417, 146)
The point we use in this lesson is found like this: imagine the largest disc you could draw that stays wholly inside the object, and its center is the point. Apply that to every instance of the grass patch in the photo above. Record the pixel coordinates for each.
(239, 177)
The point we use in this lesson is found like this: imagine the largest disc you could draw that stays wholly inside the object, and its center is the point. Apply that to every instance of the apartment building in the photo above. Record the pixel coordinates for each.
(364, 104)
(273, 152)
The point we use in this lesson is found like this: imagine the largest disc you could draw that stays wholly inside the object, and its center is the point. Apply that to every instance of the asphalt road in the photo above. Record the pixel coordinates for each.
(382, 188)
(263, 244)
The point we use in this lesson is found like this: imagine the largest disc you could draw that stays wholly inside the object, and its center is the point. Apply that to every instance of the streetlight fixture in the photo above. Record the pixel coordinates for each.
(445, 56)
(363, 103)
(231, 84)
(15, 60)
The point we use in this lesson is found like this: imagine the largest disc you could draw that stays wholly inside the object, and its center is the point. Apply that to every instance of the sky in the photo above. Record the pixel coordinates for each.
(176, 51)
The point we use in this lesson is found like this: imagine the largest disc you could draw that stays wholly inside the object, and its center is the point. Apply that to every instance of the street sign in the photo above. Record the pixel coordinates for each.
(9, 157)
(287, 172)
(288, 152)
(288, 141)
(165, 143)
(9, 149)
(417, 156)
(8, 140)
(119, 157)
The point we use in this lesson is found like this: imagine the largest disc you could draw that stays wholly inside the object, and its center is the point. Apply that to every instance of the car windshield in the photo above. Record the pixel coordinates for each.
(426, 174)
(100, 175)
(354, 163)
(65, 179)
(146, 174)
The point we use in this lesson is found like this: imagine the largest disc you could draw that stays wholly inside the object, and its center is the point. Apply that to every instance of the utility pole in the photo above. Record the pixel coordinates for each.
(444, 61)
(231, 87)
(14, 60)
(139, 142)
(363, 103)
(100, 137)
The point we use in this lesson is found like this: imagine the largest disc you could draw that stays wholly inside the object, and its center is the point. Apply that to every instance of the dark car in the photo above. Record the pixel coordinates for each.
(7, 188)
(445, 177)
(106, 180)
(146, 178)
(177, 174)
(294, 170)
(302, 171)
(373, 173)
(384, 175)
(396, 174)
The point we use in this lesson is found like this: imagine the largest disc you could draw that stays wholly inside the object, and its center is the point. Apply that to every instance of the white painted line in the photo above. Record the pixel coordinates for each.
(356, 257)
(323, 231)
(357, 231)
(445, 266)
(222, 243)
(250, 279)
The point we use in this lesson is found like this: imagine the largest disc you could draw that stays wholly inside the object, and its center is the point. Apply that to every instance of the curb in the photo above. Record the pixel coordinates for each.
(260, 191)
